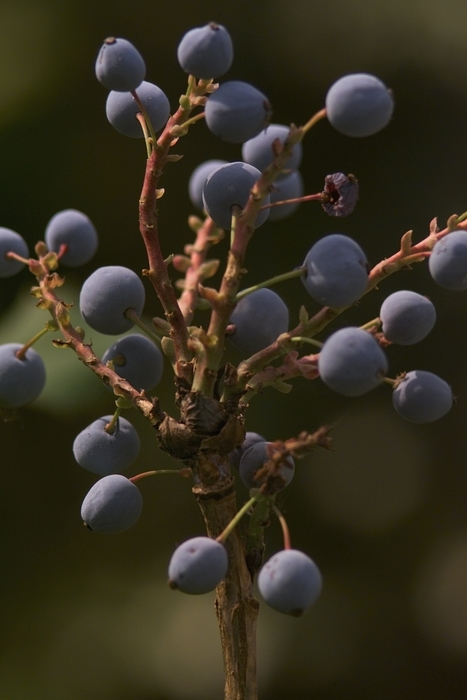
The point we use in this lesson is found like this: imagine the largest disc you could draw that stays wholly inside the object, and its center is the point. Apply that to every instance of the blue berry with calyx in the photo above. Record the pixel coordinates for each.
(237, 111)
(352, 362)
(422, 397)
(121, 109)
(255, 458)
(198, 565)
(359, 105)
(290, 582)
(74, 229)
(448, 261)
(206, 52)
(229, 186)
(119, 65)
(103, 452)
(259, 151)
(10, 241)
(336, 271)
(22, 379)
(198, 180)
(259, 319)
(112, 505)
(107, 294)
(407, 317)
(137, 359)
(251, 439)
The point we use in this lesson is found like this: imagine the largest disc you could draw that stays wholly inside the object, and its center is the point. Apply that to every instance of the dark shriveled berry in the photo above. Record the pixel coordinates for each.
(340, 194)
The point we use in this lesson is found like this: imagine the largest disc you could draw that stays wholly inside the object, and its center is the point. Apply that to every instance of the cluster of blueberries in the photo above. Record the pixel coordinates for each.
(351, 361)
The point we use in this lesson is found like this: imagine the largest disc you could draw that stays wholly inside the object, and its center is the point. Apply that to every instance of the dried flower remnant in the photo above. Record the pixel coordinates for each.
(340, 194)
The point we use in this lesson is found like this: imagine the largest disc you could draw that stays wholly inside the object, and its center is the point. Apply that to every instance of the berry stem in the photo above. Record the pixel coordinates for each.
(184, 472)
(295, 200)
(284, 526)
(147, 137)
(310, 341)
(133, 316)
(21, 353)
(14, 256)
(298, 272)
(147, 120)
(112, 424)
(314, 120)
(374, 323)
(234, 522)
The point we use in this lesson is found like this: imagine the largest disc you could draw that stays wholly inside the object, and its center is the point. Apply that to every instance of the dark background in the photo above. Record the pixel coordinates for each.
(385, 515)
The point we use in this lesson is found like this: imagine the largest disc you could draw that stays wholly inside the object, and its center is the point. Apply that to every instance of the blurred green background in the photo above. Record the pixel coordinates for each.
(385, 514)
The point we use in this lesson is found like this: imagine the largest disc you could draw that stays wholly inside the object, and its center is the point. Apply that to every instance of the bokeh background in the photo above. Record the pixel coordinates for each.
(385, 514)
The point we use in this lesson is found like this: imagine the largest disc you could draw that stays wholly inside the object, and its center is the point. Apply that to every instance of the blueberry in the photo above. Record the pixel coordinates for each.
(119, 65)
(112, 505)
(107, 294)
(74, 229)
(229, 186)
(106, 453)
(198, 565)
(206, 52)
(336, 271)
(359, 104)
(351, 362)
(259, 318)
(121, 109)
(11, 241)
(422, 397)
(237, 111)
(21, 380)
(290, 582)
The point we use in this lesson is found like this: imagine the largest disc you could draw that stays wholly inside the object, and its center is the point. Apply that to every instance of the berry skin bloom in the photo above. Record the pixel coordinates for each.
(198, 565)
(359, 105)
(119, 65)
(290, 582)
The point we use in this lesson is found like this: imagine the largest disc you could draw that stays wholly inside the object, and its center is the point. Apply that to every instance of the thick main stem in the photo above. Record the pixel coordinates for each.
(236, 606)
